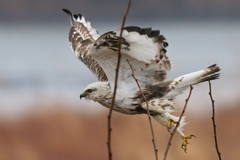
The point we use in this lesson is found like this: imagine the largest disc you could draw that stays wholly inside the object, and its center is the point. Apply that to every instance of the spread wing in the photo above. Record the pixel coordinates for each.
(144, 48)
(81, 37)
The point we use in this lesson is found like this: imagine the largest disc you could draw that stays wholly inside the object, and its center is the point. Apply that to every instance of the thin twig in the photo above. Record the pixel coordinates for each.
(149, 117)
(213, 121)
(174, 131)
(115, 84)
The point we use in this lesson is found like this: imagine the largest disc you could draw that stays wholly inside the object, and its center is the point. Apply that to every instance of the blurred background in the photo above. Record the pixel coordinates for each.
(41, 115)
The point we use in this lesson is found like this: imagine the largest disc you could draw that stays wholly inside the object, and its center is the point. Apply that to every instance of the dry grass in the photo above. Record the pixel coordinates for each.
(61, 134)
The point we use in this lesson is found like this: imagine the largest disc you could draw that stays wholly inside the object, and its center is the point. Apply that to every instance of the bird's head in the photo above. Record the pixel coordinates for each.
(96, 91)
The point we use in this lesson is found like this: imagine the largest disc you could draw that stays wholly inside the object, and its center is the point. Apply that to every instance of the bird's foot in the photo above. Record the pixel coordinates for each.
(185, 142)
(169, 124)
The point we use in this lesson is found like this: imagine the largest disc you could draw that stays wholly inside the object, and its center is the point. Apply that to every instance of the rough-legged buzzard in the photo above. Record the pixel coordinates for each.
(145, 49)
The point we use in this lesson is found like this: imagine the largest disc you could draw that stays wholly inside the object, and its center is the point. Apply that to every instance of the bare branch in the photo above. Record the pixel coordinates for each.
(213, 121)
(174, 131)
(115, 84)
(149, 117)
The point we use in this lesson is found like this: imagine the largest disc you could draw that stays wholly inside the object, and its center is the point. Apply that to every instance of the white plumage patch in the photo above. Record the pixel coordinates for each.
(143, 48)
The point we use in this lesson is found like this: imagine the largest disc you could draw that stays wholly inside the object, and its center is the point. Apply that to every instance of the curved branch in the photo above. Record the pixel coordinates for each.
(115, 84)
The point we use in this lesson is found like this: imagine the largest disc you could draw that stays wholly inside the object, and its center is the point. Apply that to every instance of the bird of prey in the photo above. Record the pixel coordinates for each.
(145, 50)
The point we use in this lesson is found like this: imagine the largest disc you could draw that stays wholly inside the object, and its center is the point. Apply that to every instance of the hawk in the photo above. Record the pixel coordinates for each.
(145, 50)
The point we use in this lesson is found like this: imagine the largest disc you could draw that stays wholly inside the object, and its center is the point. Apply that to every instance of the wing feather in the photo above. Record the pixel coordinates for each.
(143, 48)
(81, 37)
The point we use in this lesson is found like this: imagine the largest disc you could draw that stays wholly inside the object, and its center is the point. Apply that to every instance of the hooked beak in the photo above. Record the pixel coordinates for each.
(82, 95)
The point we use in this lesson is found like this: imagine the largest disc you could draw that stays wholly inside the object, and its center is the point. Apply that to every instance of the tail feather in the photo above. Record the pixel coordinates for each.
(210, 73)
(209, 78)
(178, 85)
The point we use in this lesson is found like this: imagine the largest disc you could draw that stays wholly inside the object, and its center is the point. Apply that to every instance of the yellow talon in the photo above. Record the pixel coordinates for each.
(170, 122)
(185, 142)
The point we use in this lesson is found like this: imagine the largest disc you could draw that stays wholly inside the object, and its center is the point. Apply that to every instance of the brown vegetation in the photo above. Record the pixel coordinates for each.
(61, 134)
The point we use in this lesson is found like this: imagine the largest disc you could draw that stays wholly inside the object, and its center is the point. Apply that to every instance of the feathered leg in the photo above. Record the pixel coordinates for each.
(164, 120)
(160, 110)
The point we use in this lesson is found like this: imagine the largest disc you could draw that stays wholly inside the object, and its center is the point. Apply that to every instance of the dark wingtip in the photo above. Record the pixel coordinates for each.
(214, 68)
(67, 11)
(154, 33)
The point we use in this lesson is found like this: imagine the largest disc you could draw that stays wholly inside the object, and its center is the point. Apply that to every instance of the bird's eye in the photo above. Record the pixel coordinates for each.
(89, 90)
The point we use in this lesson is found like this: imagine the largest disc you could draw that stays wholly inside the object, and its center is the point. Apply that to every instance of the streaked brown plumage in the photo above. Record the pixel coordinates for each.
(81, 37)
